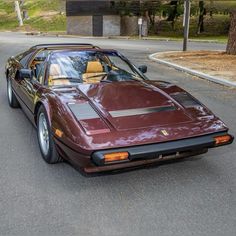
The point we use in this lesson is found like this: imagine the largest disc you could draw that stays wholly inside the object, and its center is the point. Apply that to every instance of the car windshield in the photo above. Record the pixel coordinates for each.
(68, 67)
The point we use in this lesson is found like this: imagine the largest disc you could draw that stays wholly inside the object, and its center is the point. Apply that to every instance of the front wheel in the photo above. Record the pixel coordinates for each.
(45, 138)
(12, 100)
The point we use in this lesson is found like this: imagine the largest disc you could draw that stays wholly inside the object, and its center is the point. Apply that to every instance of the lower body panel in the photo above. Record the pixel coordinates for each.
(142, 155)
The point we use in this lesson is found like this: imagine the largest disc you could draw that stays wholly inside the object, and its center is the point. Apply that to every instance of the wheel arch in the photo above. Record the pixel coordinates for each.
(47, 109)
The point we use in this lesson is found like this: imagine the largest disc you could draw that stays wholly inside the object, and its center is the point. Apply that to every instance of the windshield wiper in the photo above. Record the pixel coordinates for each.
(106, 81)
(71, 79)
(94, 76)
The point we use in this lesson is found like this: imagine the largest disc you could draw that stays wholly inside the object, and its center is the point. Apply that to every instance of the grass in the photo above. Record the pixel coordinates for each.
(217, 25)
(55, 23)
(45, 15)
(49, 16)
(218, 39)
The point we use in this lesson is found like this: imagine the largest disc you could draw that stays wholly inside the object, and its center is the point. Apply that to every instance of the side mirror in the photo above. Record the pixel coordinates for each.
(143, 69)
(25, 74)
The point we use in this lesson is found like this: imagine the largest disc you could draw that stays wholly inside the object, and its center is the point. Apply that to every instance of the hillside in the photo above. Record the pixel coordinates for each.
(44, 15)
(49, 15)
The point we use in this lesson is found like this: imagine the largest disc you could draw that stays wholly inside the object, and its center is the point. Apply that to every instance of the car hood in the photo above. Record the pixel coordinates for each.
(132, 105)
(121, 114)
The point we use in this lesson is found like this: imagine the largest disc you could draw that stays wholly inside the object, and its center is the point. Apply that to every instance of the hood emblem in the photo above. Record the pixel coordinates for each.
(164, 132)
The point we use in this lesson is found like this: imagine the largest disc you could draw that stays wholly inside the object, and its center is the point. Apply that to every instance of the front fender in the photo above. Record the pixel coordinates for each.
(42, 101)
(60, 118)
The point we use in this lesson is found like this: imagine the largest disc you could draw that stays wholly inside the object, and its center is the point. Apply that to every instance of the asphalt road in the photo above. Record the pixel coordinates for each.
(192, 197)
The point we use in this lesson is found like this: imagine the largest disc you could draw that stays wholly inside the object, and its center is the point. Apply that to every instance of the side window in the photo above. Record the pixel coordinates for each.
(119, 63)
(37, 63)
(41, 72)
(23, 59)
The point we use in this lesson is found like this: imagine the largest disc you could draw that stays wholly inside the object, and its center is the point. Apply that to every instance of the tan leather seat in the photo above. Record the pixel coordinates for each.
(55, 76)
(94, 68)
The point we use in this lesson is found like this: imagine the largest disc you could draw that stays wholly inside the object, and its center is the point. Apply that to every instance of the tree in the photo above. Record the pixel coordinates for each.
(150, 9)
(173, 12)
(202, 13)
(231, 46)
(144, 8)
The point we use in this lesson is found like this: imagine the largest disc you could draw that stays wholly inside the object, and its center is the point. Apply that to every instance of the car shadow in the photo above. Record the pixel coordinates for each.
(137, 168)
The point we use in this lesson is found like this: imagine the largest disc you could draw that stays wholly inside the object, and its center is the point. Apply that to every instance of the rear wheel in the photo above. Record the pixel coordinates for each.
(12, 100)
(45, 138)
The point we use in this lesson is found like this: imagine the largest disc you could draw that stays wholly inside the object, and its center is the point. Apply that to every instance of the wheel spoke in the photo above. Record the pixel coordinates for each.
(44, 125)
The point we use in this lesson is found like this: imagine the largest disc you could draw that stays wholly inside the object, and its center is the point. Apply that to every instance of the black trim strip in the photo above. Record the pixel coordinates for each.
(53, 45)
(151, 151)
(185, 99)
(140, 111)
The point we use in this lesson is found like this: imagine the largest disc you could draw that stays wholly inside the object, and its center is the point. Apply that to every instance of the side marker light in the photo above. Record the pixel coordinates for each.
(58, 133)
(220, 140)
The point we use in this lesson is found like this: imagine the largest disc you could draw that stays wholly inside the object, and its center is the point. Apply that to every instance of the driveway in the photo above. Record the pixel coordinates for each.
(192, 197)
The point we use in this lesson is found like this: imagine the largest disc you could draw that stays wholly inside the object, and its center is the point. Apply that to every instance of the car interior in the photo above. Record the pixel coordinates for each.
(91, 70)
(93, 74)
(56, 76)
(36, 64)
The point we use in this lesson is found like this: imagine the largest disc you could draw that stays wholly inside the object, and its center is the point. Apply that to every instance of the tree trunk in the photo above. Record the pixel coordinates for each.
(202, 13)
(231, 46)
(173, 13)
(211, 8)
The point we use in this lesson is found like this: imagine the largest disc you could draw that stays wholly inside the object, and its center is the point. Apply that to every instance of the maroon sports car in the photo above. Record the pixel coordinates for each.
(95, 109)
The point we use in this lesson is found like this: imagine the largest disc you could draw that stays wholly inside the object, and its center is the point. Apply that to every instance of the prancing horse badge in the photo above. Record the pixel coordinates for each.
(164, 132)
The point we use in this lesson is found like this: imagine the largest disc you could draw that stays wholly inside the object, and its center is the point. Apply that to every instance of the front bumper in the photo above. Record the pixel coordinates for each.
(141, 155)
(147, 154)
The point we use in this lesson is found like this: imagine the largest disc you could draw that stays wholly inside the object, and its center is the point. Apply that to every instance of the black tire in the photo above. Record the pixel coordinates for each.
(12, 100)
(50, 154)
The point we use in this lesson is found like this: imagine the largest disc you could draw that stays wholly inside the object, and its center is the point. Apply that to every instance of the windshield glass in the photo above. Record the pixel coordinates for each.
(68, 67)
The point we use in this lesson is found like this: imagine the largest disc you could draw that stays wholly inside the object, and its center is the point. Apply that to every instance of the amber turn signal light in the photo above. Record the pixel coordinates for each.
(58, 133)
(116, 156)
(220, 140)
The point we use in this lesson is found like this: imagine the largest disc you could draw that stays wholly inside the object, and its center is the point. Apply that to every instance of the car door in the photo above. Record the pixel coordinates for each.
(15, 64)
(29, 88)
(20, 62)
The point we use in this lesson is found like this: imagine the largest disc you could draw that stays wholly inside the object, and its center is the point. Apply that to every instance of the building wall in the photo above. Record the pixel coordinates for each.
(83, 25)
(80, 21)
(111, 25)
(129, 25)
(80, 25)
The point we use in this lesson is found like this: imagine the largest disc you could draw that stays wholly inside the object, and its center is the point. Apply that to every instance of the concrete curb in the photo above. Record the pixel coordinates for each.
(127, 38)
(179, 39)
(59, 34)
(199, 74)
(65, 35)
